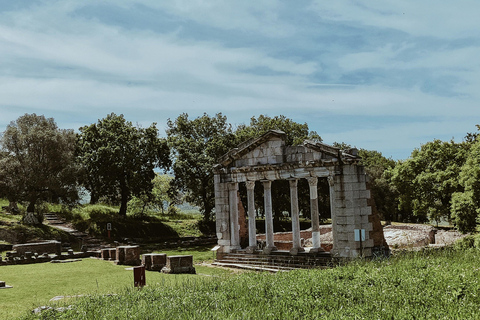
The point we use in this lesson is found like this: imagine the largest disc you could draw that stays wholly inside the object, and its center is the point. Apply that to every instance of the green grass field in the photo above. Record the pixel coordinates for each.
(442, 284)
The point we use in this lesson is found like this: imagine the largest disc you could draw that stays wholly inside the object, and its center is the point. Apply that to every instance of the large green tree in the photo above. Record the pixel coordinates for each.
(427, 180)
(295, 132)
(196, 145)
(466, 204)
(119, 159)
(37, 162)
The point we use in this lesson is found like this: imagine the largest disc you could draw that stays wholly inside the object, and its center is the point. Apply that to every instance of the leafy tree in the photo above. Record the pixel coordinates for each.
(427, 180)
(466, 204)
(37, 162)
(196, 146)
(159, 199)
(296, 132)
(119, 159)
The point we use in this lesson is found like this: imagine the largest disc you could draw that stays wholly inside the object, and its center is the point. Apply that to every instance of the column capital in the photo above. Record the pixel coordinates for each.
(267, 184)
(250, 185)
(232, 186)
(312, 181)
(331, 180)
(293, 183)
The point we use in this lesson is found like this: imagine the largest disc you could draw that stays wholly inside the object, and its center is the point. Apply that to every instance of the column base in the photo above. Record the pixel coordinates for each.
(234, 249)
(251, 249)
(295, 251)
(316, 250)
(269, 250)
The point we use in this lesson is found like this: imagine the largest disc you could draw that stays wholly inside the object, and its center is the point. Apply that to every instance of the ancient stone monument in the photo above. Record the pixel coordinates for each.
(267, 158)
(179, 264)
(128, 255)
(39, 247)
(154, 261)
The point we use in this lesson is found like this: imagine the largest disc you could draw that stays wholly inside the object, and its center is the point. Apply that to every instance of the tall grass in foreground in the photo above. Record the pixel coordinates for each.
(425, 285)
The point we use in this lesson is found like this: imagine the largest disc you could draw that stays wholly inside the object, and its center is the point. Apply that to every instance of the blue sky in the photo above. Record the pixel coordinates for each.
(380, 75)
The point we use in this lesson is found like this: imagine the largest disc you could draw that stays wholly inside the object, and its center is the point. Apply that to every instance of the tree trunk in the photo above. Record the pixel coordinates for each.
(31, 206)
(93, 197)
(124, 200)
(123, 207)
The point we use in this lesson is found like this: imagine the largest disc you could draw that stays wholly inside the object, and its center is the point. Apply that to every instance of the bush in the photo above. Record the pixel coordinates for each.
(465, 243)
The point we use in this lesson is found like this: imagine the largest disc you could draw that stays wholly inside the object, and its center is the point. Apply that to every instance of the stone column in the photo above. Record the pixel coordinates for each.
(234, 227)
(267, 196)
(295, 218)
(333, 211)
(252, 232)
(312, 182)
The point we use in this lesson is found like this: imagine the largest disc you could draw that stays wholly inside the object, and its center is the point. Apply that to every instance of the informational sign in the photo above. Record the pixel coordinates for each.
(359, 234)
(109, 226)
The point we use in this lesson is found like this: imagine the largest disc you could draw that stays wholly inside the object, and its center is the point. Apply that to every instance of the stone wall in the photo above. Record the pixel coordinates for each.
(350, 211)
(39, 247)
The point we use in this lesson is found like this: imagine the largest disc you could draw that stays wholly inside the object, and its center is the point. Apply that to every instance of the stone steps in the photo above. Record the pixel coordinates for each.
(278, 261)
(53, 219)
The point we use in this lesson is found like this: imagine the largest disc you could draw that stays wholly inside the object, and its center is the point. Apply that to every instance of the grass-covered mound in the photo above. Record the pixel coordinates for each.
(426, 285)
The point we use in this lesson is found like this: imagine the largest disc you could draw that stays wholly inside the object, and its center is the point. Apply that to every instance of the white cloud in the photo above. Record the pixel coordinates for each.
(440, 19)
(78, 68)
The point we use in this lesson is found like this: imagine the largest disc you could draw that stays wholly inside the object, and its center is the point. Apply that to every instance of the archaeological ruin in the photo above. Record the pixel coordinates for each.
(355, 226)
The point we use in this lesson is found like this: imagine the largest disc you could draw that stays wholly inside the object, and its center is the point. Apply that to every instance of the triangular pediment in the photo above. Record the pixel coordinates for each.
(270, 149)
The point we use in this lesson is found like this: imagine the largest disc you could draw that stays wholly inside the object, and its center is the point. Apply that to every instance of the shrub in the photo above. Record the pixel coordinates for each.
(465, 243)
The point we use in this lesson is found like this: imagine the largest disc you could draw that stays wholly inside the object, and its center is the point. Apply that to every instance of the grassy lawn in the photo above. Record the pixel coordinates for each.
(34, 285)
(441, 284)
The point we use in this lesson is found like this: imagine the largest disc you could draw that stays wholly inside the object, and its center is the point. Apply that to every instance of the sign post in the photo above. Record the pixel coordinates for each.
(360, 236)
(109, 228)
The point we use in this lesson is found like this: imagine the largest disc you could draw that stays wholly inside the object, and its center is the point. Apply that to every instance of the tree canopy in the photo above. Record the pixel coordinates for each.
(295, 132)
(37, 161)
(196, 145)
(119, 159)
(427, 180)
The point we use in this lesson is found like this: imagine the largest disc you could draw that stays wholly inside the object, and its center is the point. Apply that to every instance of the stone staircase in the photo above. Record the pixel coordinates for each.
(89, 242)
(274, 262)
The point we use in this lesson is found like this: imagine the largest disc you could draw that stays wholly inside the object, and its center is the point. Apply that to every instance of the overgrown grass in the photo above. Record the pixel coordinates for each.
(423, 285)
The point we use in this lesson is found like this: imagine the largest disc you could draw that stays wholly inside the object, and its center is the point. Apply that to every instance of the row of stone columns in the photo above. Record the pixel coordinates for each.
(270, 245)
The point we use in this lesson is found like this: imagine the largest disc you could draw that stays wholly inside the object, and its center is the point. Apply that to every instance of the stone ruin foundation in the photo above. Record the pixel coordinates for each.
(356, 228)
(128, 255)
(39, 247)
(154, 261)
(179, 264)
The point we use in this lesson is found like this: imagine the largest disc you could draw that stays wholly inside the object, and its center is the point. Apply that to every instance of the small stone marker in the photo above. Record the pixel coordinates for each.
(139, 276)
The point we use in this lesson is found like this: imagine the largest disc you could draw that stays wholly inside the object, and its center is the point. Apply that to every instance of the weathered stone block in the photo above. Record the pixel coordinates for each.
(39, 247)
(154, 261)
(128, 255)
(113, 253)
(179, 264)
(105, 254)
(365, 211)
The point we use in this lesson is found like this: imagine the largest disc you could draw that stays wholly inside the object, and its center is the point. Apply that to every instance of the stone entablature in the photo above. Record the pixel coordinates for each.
(267, 159)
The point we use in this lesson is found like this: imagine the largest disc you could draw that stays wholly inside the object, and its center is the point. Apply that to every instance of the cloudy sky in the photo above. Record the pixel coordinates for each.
(383, 75)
